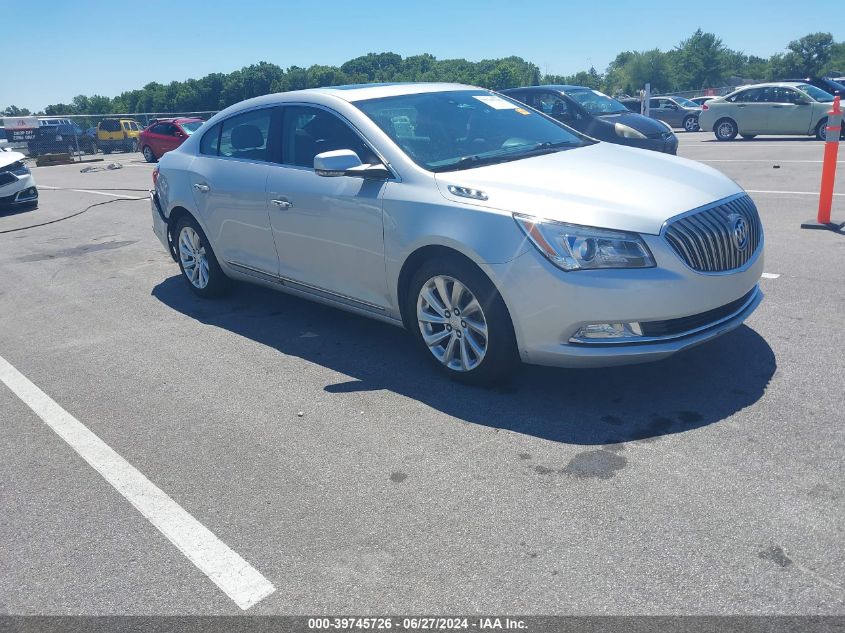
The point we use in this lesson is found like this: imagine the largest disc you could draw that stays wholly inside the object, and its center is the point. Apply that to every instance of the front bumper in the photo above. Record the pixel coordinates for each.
(22, 192)
(548, 306)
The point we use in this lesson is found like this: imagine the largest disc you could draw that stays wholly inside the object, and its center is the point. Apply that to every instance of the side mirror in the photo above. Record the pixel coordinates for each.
(336, 163)
(345, 162)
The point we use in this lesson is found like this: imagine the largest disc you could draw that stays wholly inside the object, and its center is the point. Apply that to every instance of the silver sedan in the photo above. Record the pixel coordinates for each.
(491, 232)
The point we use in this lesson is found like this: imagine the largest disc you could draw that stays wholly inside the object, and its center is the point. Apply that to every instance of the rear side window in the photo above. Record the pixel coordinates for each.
(210, 141)
(754, 95)
(247, 135)
(110, 125)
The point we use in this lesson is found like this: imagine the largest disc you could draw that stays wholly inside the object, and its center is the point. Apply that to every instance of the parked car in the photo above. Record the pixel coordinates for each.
(56, 135)
(771, 108)
(676, 111)
(17, 186)
(597, 115)
(702, 100)
(493, 233)
(164, 135)
(118, 134)
(827, 84)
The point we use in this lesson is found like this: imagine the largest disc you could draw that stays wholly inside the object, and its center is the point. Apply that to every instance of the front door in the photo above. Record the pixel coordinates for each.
(789, 113)
(328, 230)
(229, 184)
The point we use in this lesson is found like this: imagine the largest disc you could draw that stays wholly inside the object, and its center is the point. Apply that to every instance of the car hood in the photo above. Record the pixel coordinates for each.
(603, 185)
(7, 158)
(640, 123)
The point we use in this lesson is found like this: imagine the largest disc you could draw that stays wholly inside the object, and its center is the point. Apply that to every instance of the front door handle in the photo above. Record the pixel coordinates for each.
(282, 204)
(202, 188)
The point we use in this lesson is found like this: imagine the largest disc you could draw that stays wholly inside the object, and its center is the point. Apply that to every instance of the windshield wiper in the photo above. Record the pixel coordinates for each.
(475, 160)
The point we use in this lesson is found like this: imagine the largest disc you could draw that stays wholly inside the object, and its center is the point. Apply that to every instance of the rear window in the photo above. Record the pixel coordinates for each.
(191, 126)
(110, 125)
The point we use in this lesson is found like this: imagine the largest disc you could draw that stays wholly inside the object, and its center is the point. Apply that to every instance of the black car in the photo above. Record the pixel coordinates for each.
(62, 138)
(827, 84)
(597, 115)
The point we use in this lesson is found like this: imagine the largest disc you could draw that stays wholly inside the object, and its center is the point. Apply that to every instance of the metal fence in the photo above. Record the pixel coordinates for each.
(85, 135)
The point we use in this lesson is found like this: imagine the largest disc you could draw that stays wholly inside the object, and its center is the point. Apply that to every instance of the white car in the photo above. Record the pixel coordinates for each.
(17, 186)
(787, 107)
(491, 231)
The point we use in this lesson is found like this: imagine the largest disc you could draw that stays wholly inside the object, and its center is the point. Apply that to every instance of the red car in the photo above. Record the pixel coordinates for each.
(163, 135)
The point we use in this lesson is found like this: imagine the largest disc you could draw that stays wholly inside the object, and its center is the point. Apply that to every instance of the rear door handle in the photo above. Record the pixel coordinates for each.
(202, 188)
(777, 106)
(740, 105)
(282, 204)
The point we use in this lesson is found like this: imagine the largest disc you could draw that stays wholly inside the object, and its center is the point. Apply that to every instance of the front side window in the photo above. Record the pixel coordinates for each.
(246, 135)
(686, 102)
(442, 131)
(126, 125)
(308, 131)
(784, 95)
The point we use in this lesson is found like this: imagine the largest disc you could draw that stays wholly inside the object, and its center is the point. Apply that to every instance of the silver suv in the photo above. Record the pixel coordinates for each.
(491, 231)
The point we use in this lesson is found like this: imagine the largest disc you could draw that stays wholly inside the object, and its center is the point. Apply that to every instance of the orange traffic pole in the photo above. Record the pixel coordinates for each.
(833, 130)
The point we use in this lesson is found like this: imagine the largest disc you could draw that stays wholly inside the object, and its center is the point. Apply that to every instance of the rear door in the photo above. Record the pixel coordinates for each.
(751, 110)
(229, 181)
(789, 112)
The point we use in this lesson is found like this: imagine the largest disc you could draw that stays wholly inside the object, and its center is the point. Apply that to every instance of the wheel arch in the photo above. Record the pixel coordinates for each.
(425, 254)
(176, 214)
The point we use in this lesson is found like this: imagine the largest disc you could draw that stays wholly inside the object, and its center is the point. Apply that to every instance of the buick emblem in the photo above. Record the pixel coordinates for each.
(740, 233)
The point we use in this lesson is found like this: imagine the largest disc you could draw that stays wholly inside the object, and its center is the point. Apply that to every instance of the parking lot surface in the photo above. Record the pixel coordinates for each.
(320, 448)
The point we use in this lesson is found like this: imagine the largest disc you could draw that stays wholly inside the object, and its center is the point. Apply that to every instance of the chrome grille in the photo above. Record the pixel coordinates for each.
(705, 239)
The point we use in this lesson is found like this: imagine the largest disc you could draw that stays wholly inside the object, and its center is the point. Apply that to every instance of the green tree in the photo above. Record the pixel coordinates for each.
(812, 53)
(14, 110)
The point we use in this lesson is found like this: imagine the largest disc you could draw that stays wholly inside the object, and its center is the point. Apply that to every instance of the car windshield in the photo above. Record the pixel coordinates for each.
(596, 103)
(443, 131)
(816, 93)
(191, 126)
(685, 102)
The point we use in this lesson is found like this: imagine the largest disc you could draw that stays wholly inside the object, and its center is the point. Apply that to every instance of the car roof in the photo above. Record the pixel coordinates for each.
(773, 84)
(558, 87)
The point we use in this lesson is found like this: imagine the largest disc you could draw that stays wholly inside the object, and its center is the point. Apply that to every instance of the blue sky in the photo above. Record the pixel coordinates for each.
(108, 46)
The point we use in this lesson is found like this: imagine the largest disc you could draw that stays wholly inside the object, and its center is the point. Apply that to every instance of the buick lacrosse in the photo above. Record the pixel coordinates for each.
(492, 232)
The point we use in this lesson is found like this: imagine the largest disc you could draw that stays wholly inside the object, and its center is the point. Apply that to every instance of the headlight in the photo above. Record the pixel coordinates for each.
(626, 131)
(19, 168)
(574, 247)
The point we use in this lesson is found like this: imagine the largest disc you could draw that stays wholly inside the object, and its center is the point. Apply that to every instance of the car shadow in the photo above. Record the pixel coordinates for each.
(585, 406)
(7, 212)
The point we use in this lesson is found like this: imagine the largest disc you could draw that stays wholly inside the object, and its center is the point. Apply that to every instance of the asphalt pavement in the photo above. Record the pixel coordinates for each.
(320, 448)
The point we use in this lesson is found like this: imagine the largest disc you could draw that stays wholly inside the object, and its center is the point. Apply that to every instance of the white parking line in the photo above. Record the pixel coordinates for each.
(756, 160)
(94, 191)
(797, 193)
(770, 275)
(237, 578)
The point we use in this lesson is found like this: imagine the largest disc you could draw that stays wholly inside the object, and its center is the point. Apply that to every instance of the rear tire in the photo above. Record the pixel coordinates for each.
(460, 322)
(725, 130)
(197, 260)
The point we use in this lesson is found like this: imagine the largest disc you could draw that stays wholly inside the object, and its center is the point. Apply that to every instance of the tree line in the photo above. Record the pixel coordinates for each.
(698, 62)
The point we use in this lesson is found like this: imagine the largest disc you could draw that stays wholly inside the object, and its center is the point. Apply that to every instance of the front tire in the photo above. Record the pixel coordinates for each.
(691, 124)
(725, 130)
(460, 322)
(148, 154)
(197, 261)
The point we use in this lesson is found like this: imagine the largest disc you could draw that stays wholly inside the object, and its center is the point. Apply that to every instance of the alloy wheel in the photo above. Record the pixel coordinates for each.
(452, 323)
(193, 257)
